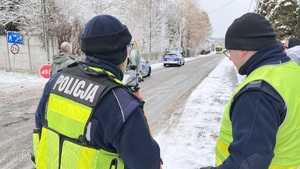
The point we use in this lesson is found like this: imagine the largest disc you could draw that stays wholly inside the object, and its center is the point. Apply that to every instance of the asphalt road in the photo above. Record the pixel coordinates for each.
(167, 89)
(17, 107)
(165, 92)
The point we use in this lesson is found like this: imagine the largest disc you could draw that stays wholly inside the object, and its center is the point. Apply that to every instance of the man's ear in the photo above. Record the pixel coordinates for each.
(70, 51)
(244, 53)
(247, 54)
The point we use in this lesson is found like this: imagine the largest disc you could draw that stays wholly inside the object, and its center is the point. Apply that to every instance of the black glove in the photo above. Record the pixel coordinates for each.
(208, 167)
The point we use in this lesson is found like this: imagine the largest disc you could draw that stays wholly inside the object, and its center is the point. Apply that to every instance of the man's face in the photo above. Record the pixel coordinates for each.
(286, 44)
(70, 51)
(238, 57)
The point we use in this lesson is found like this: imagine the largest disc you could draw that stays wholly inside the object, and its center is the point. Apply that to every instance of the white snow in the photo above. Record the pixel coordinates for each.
(11, 81)
(189, 144)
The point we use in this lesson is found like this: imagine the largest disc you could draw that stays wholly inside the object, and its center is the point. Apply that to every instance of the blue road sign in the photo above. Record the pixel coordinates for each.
(14, 37)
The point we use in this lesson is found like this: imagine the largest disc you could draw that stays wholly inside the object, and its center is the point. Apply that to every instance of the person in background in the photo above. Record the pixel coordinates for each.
(285, 43)
(293, 49)
(63, 59)
(260, 128)
(86, 117)
(290, 42)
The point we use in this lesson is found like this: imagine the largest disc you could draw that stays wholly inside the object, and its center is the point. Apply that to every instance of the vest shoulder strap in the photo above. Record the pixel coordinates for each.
(262, 86)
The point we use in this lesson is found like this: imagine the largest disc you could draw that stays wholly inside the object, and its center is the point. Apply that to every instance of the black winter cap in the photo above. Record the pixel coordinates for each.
(250, 32)
(293, 42)
(106, 38)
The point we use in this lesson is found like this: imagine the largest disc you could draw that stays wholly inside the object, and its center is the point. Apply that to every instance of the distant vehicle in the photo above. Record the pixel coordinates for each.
(146, 67)
(204, 52)
(219, 49)
(173, 58)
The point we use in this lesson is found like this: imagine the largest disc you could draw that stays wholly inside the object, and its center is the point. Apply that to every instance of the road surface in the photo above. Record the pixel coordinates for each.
(167, 89)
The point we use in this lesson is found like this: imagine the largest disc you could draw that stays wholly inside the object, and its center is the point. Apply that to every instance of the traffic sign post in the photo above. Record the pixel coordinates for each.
(14, 49)
(14, 37)
(45, 71)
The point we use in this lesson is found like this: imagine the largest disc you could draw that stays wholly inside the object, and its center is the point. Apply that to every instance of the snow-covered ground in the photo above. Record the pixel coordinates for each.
(190, 143)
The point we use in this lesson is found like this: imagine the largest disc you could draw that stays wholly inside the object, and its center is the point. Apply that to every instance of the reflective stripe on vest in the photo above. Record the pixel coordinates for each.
(73, 154)
(78, 156)
(67, 116)
(285, 78)
(48, 150)
(69, 109)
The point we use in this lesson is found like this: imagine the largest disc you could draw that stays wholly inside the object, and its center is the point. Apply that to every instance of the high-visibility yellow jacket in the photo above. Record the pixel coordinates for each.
(62, 141)
(285, 79)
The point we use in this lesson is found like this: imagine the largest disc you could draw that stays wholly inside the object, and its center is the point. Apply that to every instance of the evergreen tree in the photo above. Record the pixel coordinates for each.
(297, 33)
(283, 16)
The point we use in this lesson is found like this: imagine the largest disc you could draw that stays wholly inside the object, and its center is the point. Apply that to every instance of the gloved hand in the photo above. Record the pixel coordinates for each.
(208, 167)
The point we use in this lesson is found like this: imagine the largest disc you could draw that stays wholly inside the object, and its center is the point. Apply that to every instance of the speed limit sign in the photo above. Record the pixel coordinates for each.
(14, 48)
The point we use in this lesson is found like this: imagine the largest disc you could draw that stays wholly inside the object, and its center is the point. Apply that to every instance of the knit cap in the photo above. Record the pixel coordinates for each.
(293, 42)
(250, 32)
(106, 38)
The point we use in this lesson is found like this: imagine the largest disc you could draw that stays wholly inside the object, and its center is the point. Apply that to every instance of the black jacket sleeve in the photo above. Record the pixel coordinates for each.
(125, 131)
(135, 144)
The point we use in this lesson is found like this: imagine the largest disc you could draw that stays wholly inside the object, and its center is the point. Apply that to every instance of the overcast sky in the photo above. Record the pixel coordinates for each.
(223, 12)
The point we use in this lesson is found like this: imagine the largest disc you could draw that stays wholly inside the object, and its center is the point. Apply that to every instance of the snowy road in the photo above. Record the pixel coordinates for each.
(168, 88)
(19, 97)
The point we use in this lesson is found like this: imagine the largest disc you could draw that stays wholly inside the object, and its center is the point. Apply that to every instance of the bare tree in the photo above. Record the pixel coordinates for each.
(137, 20)
(156, 24)
(68, 17)
(20, 15)
(146, 20)
(194, 25)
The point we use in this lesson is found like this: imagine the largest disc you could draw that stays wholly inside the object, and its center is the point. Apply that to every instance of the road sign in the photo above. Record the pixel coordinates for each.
(14, 48)
(14, 37)
(45, 71)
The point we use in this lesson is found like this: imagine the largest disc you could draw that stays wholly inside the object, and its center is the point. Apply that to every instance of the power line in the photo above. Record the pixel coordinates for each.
(250, 5)
(221, 7)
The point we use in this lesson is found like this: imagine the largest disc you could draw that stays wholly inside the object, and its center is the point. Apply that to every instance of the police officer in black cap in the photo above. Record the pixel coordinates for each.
(260, 126)
(87, 118)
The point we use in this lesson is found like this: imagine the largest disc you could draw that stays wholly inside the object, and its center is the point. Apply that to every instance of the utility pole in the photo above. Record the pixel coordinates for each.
(45, 29)
(150, 33)
(180, 38)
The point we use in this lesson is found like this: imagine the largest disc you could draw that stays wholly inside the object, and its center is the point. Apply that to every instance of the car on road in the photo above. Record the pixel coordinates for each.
(204, 52)
(173, 58)
(146, 67)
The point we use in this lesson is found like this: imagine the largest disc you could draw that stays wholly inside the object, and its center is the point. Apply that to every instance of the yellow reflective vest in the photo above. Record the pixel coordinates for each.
(285, 79)
(62, 143)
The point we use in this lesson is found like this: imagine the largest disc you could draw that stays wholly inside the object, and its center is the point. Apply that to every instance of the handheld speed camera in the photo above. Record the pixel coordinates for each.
(133, 75)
